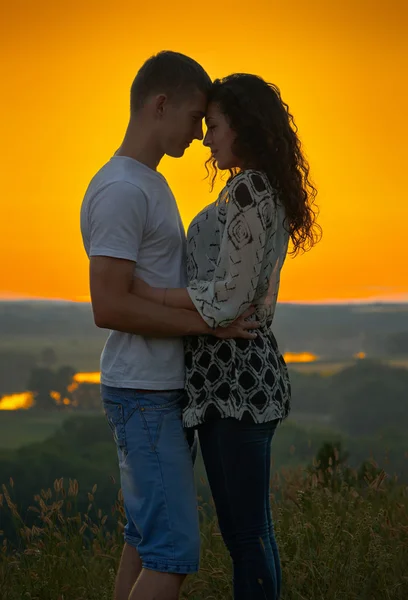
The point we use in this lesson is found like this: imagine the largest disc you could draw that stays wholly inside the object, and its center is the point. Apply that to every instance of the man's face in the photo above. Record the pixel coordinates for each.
(182, 122)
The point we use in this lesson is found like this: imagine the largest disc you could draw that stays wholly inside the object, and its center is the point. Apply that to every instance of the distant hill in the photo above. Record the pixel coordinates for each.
(332, 331)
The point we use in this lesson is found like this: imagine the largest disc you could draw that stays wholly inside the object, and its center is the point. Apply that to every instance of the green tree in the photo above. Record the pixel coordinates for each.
(41, 382)
(51, 387)
(48, 357)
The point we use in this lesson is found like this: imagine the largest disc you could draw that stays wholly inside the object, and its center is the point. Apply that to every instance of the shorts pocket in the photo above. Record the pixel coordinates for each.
(116, 420)
(152, 422)
(155, 415)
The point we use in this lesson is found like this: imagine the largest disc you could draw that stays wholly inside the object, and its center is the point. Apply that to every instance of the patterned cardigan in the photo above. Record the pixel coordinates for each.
(236, 248)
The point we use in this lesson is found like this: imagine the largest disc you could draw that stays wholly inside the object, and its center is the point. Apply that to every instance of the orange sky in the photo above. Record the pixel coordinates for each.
(341, 66)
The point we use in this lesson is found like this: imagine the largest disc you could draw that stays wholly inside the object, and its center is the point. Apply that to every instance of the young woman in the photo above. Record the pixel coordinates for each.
(239, 390)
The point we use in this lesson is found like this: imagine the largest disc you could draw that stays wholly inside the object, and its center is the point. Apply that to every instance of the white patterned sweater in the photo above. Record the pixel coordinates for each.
(236, 248)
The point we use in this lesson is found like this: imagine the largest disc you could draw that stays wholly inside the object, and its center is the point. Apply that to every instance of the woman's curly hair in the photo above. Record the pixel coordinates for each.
(266, 140)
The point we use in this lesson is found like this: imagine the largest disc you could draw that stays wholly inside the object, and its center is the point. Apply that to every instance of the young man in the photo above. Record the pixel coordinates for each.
(131, 226)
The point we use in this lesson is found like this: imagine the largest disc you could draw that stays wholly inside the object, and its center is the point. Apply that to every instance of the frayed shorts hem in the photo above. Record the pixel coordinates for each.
(164, 565)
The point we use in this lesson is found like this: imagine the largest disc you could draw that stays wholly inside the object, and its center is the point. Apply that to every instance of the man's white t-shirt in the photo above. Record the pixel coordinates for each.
(130, 212)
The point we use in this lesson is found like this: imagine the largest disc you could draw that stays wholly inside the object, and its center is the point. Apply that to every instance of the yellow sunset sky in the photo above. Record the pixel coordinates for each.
(342, 67)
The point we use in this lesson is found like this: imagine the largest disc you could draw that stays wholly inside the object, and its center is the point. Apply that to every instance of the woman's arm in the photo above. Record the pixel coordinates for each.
(251, 211)
(240, 328)
(231, 290)
(172, 297)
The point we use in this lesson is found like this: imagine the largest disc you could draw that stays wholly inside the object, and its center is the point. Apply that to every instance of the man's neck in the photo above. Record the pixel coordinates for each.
(140, 145)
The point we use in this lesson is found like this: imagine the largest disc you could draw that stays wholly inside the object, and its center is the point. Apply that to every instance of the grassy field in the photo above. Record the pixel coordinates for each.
(22, 427)
(347, 543)
(19, 428)
(82, 353)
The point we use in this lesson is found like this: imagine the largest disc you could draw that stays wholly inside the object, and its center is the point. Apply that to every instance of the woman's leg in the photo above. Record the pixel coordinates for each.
(237, 460)
(272, 537)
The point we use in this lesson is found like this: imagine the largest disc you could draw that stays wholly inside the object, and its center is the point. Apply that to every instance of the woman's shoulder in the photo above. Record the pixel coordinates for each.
(249, 184)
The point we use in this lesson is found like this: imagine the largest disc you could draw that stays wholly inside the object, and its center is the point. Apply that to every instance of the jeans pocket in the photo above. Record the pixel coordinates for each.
(152, 421)
(156, 414)
(116, 420)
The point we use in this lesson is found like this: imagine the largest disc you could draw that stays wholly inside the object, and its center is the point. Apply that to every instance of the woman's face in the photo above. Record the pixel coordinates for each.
(220, 138)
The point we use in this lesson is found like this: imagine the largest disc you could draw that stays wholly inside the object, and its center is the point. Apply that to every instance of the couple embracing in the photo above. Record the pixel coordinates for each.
(191, 353)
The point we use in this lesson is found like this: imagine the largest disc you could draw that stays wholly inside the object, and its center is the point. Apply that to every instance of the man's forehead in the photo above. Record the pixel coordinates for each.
(198, 113)
(198, 103)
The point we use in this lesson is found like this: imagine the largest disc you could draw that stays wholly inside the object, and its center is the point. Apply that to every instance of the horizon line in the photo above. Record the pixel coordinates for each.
(394, 299)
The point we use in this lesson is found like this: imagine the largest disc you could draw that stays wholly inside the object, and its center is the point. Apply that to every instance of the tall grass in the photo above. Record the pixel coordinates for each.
(339, 541)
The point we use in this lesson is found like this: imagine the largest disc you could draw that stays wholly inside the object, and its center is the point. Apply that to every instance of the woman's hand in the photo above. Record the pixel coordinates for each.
(240, 328)
(144, 290)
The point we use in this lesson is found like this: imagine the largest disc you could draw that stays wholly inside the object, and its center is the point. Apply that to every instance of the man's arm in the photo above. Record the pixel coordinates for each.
(115, 307)
(115, 225)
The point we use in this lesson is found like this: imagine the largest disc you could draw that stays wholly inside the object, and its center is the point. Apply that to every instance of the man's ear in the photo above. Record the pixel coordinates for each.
(160, 104)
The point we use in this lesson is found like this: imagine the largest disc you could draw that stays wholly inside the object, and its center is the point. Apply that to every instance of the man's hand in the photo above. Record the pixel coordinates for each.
(240, 328)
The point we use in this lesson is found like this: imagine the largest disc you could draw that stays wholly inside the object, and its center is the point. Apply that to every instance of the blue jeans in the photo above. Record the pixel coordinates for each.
(157, 478)
(237, 458)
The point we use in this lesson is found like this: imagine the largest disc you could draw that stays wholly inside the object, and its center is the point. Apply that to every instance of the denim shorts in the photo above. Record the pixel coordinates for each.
(157, 479)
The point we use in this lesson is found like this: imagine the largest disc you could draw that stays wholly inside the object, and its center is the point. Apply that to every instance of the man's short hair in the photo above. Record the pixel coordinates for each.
(170, 73)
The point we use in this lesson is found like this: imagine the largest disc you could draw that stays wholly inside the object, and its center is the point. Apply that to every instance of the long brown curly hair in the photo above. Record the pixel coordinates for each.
(267, 140)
